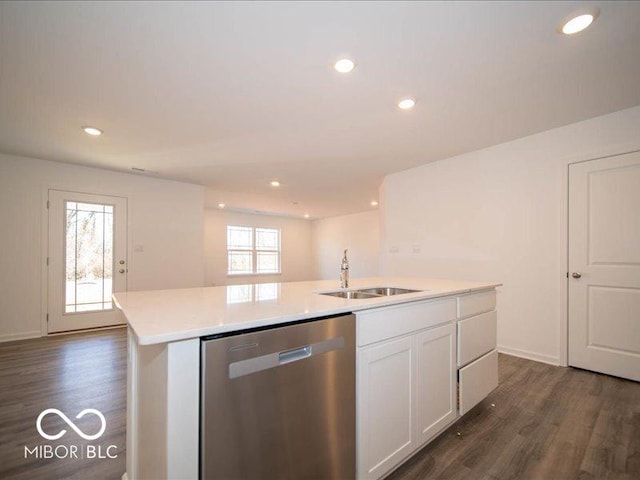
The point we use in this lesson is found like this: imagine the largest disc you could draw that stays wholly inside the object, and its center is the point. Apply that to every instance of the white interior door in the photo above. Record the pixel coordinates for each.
(87, 259)
(604, 265)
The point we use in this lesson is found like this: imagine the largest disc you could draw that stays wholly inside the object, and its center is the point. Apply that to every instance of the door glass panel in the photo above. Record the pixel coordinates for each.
(88, 257)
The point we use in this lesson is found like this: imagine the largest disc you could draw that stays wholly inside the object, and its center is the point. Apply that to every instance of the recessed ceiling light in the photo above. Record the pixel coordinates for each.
(577, 24)
(306, 215)
(578, 21)
(406, 103)
(93, 131)
(344, 65)
(275, 183)
(221, 205)
(374, 203)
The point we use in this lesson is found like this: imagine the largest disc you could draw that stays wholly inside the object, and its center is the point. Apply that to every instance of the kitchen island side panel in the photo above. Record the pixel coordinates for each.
(163, 410)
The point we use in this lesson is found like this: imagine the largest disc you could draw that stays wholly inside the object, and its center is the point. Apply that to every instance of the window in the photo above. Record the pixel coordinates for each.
(252, 250)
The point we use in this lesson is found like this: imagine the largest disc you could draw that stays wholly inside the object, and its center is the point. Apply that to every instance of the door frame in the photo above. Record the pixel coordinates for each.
(564, 296)
(44, 244)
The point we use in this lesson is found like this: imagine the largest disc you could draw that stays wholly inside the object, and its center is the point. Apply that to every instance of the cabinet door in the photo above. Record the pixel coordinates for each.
(435, 393)
(384, 396)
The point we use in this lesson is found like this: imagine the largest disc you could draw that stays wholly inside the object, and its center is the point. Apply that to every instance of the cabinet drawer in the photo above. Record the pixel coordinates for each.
(388, 322)
(476, 303)
(476, 336)
(477, 380)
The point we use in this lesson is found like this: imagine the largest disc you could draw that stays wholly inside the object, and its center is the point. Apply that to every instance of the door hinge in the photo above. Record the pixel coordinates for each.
(47, 204)
(567, 274)
(48, 262)
(47, 318)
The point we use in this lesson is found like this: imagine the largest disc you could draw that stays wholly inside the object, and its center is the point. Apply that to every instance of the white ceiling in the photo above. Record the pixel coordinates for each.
(232, 95)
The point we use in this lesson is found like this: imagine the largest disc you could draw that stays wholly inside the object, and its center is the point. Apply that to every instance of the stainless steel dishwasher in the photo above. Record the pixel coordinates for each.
(279, 403)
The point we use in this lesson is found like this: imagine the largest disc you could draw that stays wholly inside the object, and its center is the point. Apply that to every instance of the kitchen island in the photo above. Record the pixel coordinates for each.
(166, 327)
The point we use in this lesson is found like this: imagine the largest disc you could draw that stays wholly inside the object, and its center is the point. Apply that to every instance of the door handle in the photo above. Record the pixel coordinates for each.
(121, 270)
(576, 275)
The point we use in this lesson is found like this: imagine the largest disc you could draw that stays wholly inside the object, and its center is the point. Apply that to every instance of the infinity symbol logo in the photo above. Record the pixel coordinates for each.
(71, 424)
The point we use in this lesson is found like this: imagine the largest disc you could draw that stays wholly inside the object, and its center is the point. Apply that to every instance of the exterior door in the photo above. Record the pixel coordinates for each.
(604, 265)
(87, 259)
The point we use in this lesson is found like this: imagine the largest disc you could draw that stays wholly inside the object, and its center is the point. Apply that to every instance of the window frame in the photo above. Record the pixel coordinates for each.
(254, 251)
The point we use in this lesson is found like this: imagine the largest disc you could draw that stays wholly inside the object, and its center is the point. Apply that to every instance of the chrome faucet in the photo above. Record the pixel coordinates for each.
(344, 271)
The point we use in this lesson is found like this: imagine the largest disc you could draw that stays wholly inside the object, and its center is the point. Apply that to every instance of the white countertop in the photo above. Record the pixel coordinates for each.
(161, 316)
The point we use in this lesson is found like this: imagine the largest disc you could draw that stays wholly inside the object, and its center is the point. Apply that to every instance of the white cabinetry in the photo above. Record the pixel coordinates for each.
(384, 396)
(435, 398)
(477, 355)
(406, 381)
(477, 380)
(476, 336)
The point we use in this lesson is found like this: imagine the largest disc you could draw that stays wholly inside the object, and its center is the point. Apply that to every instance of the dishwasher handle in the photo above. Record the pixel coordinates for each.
(276, 359)
(294, 355)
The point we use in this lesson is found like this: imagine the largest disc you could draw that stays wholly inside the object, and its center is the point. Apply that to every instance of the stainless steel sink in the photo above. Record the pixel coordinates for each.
(387, 291)
(350, 294)
(369, 292)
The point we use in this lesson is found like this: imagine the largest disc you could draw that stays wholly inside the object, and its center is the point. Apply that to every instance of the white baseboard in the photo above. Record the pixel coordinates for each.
(87, 330)
(538, 357)
(11, 337)
(124, 476)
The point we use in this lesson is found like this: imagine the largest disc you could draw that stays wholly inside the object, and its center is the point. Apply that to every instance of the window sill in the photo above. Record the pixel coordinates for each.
(253, 274)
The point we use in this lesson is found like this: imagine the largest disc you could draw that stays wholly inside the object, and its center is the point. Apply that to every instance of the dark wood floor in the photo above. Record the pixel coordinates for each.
(70, 373)
(547, 423)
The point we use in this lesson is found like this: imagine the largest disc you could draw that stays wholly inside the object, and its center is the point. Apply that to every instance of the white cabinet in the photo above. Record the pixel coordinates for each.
(477, 355)
(384, 406)
(476, 303)
(407, 369)
(476, 336)
(387, 322)
(406, 392)
(435, 393)
(477, 380)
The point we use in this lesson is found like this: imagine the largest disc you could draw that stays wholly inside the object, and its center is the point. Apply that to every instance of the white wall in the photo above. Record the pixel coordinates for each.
(164, 217)
(295, 235)
(501, 214)
(360, 233)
